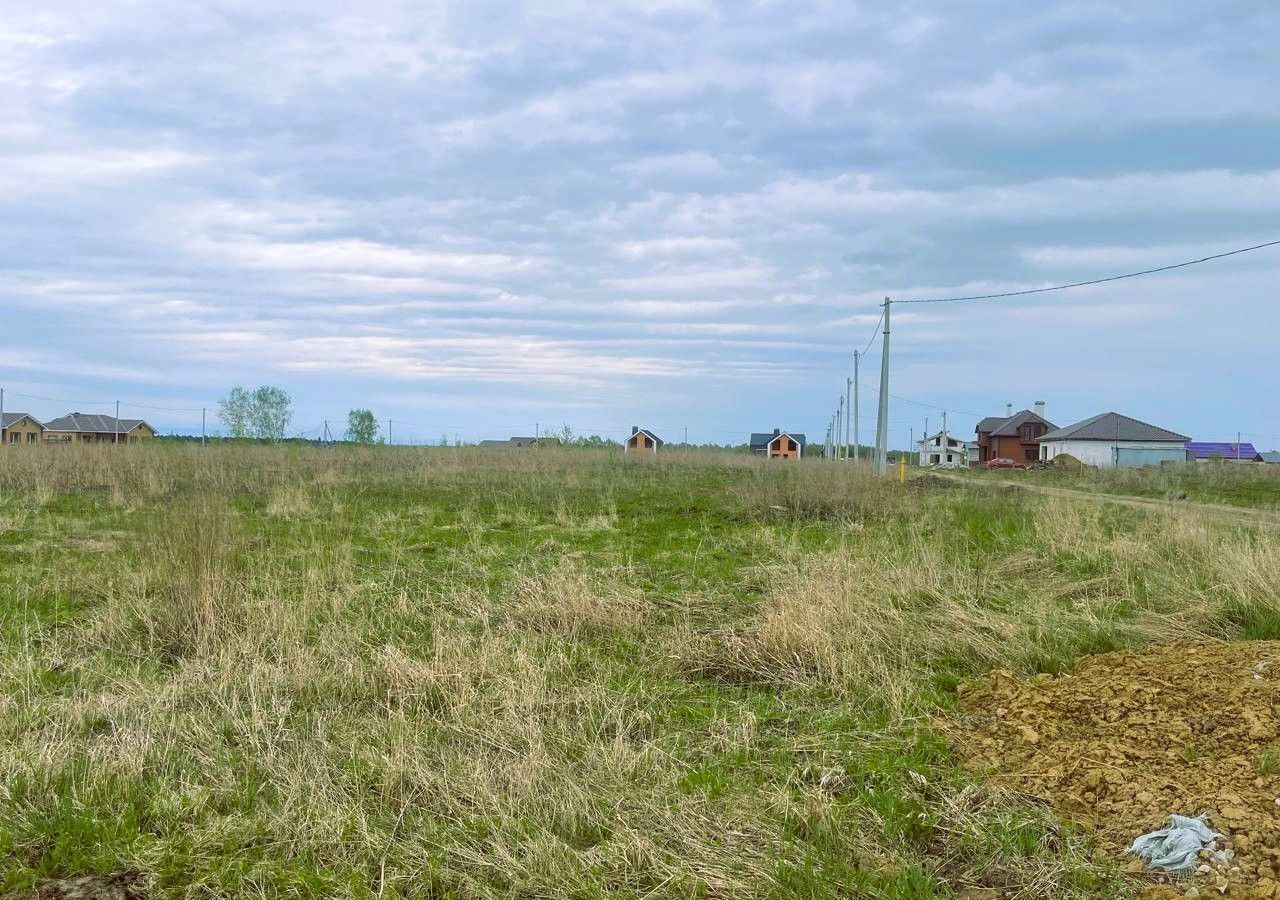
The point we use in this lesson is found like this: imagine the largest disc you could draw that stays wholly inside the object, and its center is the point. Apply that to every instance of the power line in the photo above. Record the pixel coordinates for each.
(1076, 284)
(874, 332)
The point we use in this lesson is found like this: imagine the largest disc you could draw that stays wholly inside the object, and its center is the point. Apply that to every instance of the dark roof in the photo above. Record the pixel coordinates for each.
(653, 437)
(761, 439)
(1111, 426)
(1013, 425)
(94, 424)
(1009, 426)
(15, 417)
(1225, 449)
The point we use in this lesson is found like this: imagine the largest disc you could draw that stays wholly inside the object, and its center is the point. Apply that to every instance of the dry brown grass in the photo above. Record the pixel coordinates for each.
(441, 673)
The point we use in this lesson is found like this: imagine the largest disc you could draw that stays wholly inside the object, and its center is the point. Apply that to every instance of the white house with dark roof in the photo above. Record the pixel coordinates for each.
(642, 439)
(1110, 440)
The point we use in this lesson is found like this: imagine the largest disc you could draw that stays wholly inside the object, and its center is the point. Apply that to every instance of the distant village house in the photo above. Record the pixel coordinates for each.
(778, 445)
(1013, 436)
(1110, 440)
(521, 443)
(80, 428)
(20, 428)
(943, 449)
(642, 439)
(1222, 451)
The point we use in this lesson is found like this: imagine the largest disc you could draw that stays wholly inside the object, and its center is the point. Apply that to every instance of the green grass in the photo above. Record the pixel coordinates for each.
(1254, 486)
(437, 673)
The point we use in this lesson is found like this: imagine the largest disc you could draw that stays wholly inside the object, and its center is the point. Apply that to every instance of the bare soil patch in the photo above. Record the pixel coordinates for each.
(119, 886)
(1129, 737)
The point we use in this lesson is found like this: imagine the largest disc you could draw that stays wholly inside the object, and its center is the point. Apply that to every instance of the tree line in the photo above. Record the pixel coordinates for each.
(266, 411)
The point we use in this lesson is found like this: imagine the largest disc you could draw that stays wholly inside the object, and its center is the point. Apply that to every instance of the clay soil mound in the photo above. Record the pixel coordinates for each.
(1128, 738)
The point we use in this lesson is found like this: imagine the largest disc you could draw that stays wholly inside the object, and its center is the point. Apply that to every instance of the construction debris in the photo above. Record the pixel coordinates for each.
(1176, 847)
(1128, 736)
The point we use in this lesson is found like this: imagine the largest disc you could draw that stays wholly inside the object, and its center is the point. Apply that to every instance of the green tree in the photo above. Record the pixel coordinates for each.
(272, 410)
(362, 427)
(263, 413)
(236, 412)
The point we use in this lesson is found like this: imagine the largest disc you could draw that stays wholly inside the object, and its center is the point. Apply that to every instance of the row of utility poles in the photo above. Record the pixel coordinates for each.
(845, 416)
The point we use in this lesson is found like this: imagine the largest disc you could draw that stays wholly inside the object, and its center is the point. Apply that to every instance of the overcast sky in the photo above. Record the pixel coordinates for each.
(478, 216)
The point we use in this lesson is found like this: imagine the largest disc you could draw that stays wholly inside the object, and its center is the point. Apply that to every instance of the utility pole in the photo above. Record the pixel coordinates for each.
(389, 441)
(1237, 446)
(857, 449)
(882, 411)
(848, 398)
(202, 417)
(686, 435)
(1, 417)
(839, 423)
(911, 438)
(117, 422)
(946, 442)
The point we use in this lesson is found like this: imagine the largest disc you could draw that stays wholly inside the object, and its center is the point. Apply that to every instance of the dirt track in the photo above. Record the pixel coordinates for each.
(1237, 515)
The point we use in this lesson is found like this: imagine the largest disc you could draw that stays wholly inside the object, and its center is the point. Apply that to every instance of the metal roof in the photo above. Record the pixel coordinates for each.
(1111, 426)
(13, 418)
(1270, 456)
(94, 424)
(1225, 449)
(636, 430)
(1011, 426)
(765, 438)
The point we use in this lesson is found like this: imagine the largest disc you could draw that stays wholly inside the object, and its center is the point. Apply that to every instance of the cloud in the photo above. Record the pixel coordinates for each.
(621, 209)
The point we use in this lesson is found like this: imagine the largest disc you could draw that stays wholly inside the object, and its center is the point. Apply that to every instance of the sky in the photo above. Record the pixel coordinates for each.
(477, 218)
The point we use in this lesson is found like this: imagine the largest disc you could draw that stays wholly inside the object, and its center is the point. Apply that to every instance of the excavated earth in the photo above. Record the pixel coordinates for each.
(1128, 738)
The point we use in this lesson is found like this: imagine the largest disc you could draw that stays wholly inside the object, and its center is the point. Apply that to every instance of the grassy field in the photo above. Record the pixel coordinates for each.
(289, 672)
(1252, 486)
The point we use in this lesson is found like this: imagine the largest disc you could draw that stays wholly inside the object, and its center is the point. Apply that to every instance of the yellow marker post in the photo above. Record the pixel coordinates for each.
(902, 469)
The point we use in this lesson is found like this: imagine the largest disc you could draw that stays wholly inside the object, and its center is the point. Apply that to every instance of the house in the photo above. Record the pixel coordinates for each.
(778, 445)
(1224, 451)
(942, 449)
(1013, 435)
(1110, 440)
(642, 439)
(20, 428)
(80, 428)
(1271, 457)
(521, 443)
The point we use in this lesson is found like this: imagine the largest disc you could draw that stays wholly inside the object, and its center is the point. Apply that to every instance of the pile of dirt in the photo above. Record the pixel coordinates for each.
(119, 886)
(1128, 738)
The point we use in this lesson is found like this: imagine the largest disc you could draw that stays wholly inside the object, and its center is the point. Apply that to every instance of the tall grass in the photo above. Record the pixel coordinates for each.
(309, 673)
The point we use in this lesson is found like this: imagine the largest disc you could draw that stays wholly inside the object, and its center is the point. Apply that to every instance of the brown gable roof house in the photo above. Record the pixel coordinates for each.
(642, 439)
(779, 445)
(1014, 435)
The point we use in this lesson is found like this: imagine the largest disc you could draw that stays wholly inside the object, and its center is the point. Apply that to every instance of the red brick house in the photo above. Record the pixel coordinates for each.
(1013, 436)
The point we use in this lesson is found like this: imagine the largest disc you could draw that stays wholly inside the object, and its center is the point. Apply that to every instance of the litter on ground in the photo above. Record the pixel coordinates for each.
(1176, 847)
(1128, 736)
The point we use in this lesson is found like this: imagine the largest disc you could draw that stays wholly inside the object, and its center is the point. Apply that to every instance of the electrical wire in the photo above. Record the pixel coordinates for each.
(875, 331)
(1076, 284)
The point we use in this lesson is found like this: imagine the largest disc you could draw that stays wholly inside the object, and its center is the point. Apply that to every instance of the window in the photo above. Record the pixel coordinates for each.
(13, 437)
(31, 437)
(1030, 454)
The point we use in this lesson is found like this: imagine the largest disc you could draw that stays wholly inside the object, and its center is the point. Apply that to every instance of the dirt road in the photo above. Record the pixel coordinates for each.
(1236, 515)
